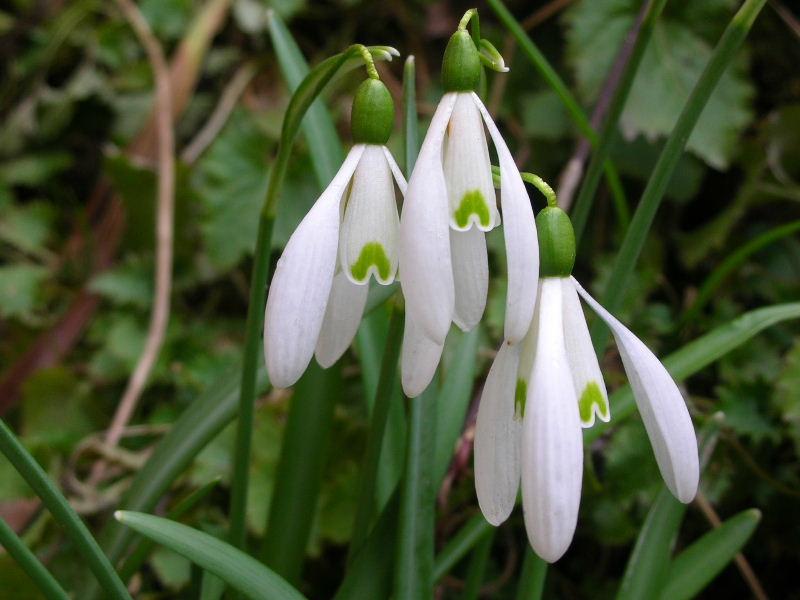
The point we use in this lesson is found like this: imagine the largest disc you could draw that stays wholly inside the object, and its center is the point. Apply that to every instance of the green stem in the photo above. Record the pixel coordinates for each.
(586, 193)
(415, 548)
(477, 566)
(369, 63)
(732, 262)
(384, 396)
(62, 512)
(459, 545)
(632, 245)
(26, 559)
(471, 13)
(531, 580)
(410, 120)
(548, 73)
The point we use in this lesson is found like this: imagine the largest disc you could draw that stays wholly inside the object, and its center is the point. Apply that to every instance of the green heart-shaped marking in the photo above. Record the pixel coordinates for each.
(473, 203)
(372, 254)
(590, 397)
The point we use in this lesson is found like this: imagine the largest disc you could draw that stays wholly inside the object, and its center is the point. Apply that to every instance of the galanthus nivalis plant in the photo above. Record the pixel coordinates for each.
(539, 393)
(315, 301)
(449, 207)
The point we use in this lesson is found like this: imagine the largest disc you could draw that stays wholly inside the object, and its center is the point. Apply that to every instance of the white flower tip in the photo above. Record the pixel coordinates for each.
(119, 515)
(549, 550)
(393, 51)
(284, 376)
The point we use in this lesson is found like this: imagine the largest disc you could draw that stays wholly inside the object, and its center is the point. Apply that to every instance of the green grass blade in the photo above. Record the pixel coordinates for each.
(237, 569)
(722, 56)
(369, 575)
(532, 578)
(548, 73)
(734, 261)
(137, 557)
(459, 545)
(300, 469)
(477, 566)
(647, 565)
(324, 144)
(700, 353)
(454, 398)
(413, 576)
(62, 512)
(586, 193)
(694, 568)
(26, 559)
(384, 396)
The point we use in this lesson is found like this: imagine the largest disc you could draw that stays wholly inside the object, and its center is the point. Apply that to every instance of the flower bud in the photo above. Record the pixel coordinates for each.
(461, 66)
(372, 116)
(556, 243)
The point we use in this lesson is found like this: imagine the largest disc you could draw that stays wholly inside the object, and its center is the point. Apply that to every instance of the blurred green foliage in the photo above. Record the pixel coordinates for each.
(76, 93)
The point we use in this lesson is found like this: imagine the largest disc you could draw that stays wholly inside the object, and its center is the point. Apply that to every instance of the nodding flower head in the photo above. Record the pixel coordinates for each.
(449, 207)
(350, 235)
(539, 393)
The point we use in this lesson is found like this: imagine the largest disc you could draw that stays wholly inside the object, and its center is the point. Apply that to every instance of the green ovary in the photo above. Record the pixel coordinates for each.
(473, 203)
(520, 395)
(592, 395)
(372, 254)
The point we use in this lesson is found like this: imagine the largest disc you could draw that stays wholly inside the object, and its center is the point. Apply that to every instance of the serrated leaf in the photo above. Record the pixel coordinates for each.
(129, 283)
(19, 289)
(669, 69)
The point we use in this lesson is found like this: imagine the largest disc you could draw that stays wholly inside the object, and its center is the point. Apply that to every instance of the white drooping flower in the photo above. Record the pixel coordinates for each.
(319, 289)
(538, 395)
(449, 207)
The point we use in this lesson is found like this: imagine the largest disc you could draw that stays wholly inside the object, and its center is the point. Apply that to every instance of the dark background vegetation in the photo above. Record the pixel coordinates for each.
(76, 259)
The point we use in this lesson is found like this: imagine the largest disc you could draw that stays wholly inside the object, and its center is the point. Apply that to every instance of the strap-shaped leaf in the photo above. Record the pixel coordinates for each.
(694, 568)
(237, 569)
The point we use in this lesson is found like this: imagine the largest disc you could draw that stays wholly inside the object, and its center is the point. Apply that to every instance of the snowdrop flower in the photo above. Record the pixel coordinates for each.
(538, 395)
(449, 207)
(319, 289)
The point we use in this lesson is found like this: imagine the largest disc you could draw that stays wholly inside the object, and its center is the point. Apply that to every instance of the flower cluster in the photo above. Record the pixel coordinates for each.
(545, 383)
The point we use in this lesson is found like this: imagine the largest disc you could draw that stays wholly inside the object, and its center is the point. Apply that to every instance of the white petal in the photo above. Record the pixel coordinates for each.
(586, 375)
(371, 224)
(661, 405)
(522, 245)
(468, 170)
(497, 438)
(426, 270)
(419, 359)
(342, 318)
(470, 276)
(398, 174)
(552, 452)
(301, 284)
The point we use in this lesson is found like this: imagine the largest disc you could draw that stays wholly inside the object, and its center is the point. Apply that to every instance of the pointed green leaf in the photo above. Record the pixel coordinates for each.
(239, 570)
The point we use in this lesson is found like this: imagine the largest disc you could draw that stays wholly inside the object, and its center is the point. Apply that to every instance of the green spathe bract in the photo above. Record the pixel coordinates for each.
(461, 65)
(372, 255)
(372, 117)
(556, 243)
(473, 203)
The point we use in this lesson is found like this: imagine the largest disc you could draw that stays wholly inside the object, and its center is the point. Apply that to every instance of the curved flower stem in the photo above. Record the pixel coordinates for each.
(548, 73)
(723, 55)
(380, 411)
(586, 193)
(63, 513)
(369, 63)
(26, 559)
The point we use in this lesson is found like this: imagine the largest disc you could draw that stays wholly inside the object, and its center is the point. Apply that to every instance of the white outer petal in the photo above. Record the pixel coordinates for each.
(552, 443)
(580, 352)
(470, 276)
(522, 245)
(302, 281)
(370, 216)
(497, 438)
(661, 405)
(342, 318)
(425, 269)
(419, 358)
(398, 174)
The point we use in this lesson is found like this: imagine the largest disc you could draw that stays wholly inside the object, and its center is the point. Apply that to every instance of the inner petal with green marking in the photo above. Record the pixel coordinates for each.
(591, 397)
(520, 395)
(372, 259)
(473, 203)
